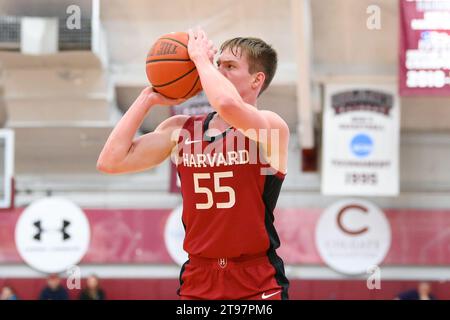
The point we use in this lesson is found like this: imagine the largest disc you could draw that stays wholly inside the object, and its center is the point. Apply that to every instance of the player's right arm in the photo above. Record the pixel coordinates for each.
(123, 153)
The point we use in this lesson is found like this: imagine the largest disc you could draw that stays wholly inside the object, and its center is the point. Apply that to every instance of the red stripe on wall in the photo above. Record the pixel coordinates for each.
(419, 237)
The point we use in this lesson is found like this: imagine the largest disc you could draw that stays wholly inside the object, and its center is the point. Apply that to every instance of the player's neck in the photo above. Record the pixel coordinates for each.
(251, 100)
(218, 123)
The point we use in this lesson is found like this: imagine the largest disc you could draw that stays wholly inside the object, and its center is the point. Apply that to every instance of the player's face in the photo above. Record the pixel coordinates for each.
(235, 69)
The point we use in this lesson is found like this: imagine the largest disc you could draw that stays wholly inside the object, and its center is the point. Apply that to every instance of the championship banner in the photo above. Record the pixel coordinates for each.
(424, 48)
(360, 143)
(194, 106)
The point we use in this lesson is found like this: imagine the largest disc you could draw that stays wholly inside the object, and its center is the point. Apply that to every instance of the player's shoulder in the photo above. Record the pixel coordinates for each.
(174, 122)
(276, 121)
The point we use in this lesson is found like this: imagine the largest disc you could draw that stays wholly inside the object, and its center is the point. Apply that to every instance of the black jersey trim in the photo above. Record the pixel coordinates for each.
(183, 268)
(206, 126)
(272, 187)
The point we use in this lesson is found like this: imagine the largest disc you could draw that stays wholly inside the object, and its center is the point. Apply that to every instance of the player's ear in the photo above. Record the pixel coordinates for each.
(258, 80)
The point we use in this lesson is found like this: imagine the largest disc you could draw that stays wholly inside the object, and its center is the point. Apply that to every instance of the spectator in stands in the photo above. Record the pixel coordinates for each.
(92, 290)
(423, 292)
(8, 294)
(54, 290)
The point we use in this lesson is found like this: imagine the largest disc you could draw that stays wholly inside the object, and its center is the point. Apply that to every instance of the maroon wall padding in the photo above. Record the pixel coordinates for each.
(153, 289)
(420, 237)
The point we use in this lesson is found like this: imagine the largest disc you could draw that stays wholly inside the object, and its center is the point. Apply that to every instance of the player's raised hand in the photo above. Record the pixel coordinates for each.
(199, 46)
(212, 51)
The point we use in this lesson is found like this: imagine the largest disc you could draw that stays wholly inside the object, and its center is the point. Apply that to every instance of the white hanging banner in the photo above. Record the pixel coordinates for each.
(361, 128)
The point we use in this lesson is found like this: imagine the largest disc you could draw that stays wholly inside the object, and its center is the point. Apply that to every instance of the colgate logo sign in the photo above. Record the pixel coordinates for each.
(343, 227)
(353, 235)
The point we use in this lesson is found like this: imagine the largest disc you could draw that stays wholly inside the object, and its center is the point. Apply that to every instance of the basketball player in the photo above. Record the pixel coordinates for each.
(229, 190)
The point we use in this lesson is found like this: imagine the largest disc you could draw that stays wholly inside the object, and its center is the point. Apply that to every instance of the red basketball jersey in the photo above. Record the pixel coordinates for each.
(228, 196)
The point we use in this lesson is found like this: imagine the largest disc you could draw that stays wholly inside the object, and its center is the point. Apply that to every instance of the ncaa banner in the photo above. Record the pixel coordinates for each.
(424, 47)
(360, 140)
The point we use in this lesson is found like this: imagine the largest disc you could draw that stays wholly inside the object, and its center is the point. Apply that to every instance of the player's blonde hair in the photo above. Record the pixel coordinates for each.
(260, 55)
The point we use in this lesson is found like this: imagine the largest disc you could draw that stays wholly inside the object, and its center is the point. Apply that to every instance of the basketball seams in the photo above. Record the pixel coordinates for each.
(175, 80)
(174, 40)
(195, 84)
(163, 60)
(187, 94)
(178, 42)
(170, 69)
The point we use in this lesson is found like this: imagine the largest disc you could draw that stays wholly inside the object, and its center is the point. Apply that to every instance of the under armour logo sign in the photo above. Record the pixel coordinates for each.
(40, 230)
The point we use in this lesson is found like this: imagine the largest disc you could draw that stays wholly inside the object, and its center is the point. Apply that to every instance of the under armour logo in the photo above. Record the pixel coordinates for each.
(40, 230)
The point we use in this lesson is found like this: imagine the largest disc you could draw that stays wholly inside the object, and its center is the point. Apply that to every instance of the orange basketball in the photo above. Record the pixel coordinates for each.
(169, 68)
